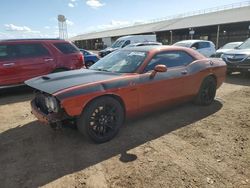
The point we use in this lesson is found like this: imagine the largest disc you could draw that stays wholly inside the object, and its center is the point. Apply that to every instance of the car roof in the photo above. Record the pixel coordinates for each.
(34, 40)
(234, 42)
(154, 47)
(192, 41)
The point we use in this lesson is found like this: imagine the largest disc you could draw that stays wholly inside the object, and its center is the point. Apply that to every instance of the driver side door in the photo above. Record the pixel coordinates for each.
(168, 87)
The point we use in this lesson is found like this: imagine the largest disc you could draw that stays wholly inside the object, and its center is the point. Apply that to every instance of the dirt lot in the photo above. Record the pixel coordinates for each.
(188, 146)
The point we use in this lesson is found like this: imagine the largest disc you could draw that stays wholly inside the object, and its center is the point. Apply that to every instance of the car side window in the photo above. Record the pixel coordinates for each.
(170, 59)
(30, 50)
(196, 45)
(8, 52)
(3, 52)
(85, 53)
(126, 43)
(204, 45)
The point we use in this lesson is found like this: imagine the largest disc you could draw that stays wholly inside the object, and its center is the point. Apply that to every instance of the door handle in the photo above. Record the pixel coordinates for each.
(184, 72)
(8, 64)
(48, 59)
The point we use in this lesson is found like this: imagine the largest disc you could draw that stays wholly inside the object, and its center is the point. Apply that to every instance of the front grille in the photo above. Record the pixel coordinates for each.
(236, 58)
(40, 103)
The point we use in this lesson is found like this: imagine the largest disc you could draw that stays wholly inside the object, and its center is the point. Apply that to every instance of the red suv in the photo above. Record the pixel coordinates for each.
(23, 59)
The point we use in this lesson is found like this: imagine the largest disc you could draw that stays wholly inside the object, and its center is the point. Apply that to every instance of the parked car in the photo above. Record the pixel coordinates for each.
(238, 60)
(124, 41)
(226, 48)
(123, 84)
(207, 48)
(144, 44)
(89, 57)
(23, 59)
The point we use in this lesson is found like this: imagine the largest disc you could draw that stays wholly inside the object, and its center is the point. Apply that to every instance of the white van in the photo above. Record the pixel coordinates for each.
(124, 41)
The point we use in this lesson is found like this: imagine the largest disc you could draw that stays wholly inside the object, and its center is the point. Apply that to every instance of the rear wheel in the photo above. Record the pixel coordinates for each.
(207, 91)
(101, 120)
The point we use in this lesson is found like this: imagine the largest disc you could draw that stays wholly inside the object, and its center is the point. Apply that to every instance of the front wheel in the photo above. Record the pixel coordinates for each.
(207, 92)
(101, 120)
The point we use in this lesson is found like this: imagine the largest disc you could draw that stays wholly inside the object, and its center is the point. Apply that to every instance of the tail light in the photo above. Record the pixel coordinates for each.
(81, 59)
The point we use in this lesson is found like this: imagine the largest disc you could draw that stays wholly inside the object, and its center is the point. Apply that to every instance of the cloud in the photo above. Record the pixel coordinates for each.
(71, 5)
(95, 4)
(20, 29)
(12, 27)
(69, 23)
(47, 27)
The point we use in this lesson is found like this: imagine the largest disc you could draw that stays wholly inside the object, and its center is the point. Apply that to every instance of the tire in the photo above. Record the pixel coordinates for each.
(207, 92)
(101, 119)
(89, 63)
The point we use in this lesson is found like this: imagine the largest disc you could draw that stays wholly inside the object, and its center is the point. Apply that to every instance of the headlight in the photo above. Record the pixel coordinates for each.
(51, 103)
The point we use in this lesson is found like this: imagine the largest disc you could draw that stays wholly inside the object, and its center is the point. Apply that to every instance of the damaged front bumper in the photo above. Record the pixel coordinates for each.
(49, 118)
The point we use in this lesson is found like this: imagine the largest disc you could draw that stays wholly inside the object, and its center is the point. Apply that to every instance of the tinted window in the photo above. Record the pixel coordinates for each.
(3, 52)
(85, 53)
(196, 45)
(204, 45)
(245, 45)
(170, 59)
(66, 48)
(126, 43)
(30, 50)
(22, 50)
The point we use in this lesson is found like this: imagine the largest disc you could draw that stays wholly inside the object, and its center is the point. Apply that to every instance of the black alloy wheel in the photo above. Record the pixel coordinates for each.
(102, 119)
(207, 92)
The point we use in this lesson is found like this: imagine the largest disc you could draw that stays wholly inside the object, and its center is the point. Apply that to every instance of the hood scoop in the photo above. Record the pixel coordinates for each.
(45, 78)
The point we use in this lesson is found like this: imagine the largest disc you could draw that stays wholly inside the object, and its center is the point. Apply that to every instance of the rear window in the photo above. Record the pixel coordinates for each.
(66, 48)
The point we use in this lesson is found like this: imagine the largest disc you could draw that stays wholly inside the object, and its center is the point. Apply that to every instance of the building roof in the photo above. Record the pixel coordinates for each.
(228, 16)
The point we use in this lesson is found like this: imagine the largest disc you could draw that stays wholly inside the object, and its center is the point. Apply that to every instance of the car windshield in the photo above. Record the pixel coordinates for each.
(230, 46)
(118, 44)
(245, 45)
(121, 61)
(183, 44)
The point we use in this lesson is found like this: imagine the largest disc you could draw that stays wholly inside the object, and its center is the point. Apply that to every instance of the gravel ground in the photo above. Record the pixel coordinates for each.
(186, 146)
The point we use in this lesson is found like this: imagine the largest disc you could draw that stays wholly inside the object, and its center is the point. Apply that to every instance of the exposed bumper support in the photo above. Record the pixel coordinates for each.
(46, 118)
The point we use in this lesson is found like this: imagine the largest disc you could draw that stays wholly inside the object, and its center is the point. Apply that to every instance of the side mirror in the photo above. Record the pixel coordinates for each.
(158, 68)
(194, 48)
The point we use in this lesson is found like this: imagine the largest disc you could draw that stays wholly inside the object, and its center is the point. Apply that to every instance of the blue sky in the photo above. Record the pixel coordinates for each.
(37, 18)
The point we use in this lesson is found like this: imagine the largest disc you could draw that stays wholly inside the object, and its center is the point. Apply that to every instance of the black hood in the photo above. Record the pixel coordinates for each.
(53, 83)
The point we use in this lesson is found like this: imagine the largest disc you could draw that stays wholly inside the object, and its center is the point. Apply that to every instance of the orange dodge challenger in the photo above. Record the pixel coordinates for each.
(125, 83)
